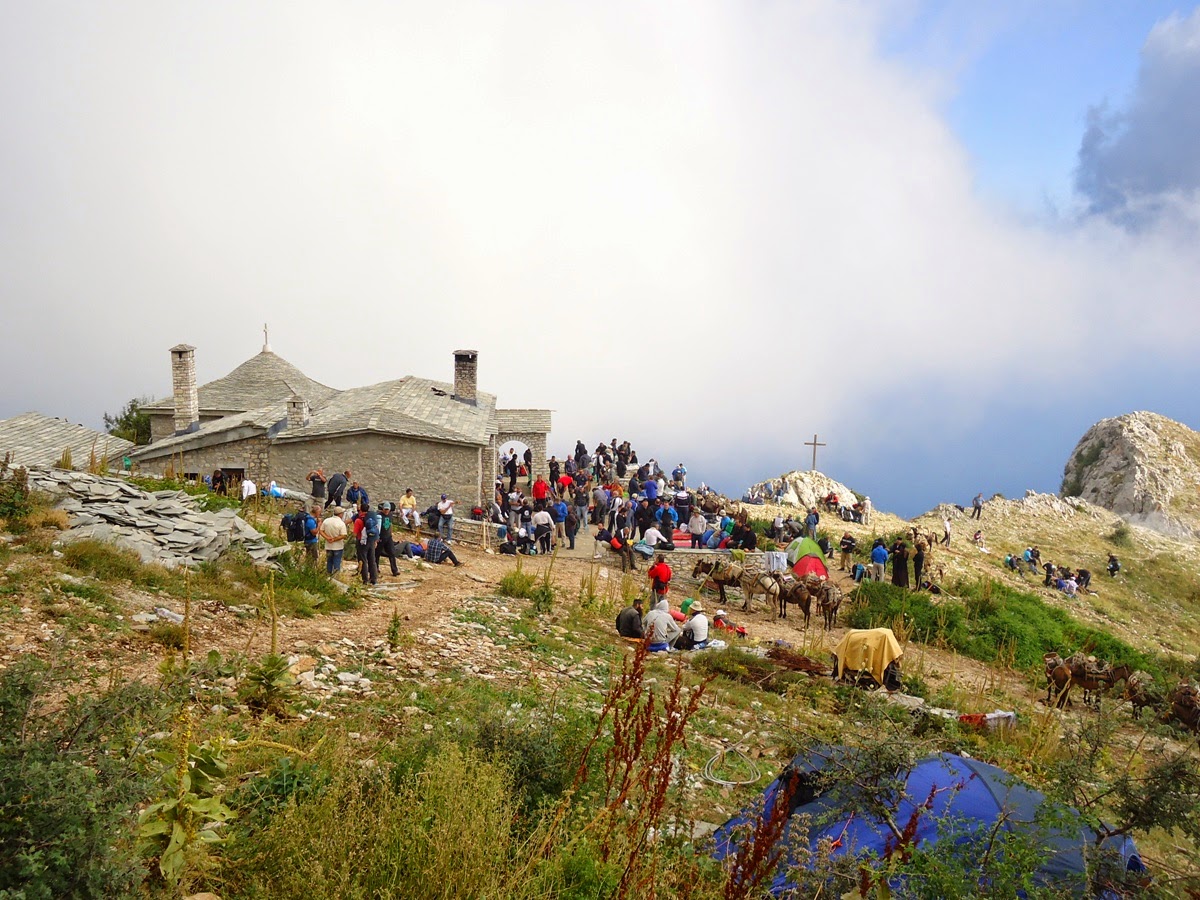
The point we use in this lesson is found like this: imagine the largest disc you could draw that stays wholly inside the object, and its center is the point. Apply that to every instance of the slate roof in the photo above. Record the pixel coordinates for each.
(510, 421)
(235, 426)
(261, 380)
(37, 440)
(412, 407)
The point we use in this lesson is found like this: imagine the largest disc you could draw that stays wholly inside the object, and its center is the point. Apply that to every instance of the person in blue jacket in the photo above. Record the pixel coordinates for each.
(879, 558)
(357, 495)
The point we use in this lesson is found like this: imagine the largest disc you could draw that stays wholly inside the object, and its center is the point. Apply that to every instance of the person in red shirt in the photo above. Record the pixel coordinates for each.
(660, 577)
(541, 490)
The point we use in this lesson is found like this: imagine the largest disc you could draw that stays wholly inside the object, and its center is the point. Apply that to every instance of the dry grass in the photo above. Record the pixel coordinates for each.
(49, 518)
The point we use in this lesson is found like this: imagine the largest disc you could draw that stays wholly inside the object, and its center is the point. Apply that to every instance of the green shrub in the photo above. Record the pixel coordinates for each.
(993, 622)
(168, 634)
(1121, 536)
(517, 583)
(69, 786)
(444, 832)
(15, 501)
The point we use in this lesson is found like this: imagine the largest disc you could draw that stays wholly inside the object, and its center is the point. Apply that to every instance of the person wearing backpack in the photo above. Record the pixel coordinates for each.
(660, 578)
(368, 566)
(385, 545)
(312, 541)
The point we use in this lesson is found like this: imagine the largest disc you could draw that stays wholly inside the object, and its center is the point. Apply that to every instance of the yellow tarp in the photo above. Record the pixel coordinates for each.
(867, 650)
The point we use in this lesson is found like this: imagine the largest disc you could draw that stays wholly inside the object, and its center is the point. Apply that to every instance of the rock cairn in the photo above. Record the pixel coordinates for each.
(163, 527)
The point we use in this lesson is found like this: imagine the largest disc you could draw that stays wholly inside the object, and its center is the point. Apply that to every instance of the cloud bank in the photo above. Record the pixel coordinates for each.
(714, 229)
(1138, 163)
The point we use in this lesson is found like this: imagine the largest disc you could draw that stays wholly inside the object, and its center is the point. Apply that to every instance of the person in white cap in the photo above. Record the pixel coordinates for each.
(695, 630)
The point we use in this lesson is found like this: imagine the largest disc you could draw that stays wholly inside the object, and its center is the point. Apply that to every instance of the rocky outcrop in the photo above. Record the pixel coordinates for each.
(803, 489)
(1142, 466)
(164, 527)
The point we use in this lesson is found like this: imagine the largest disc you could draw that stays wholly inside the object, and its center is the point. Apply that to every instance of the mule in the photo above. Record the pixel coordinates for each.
(798, 594)
(1184, 705)
(721, 572)
(1094, 683)
(829, 599)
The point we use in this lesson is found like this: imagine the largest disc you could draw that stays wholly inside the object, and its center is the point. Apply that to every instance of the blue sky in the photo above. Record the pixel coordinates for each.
(1021, 82)
(948, 237)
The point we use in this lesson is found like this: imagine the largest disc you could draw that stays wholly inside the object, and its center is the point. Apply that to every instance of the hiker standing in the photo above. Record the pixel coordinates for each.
(385, 546)
(333, 533)
(977, 506)
(317, 477)
(811, 521)
(848, 545)
(946, 528)
(879, 558)
(368, 565)
(311, 539)
(445, 509)
(918, 564)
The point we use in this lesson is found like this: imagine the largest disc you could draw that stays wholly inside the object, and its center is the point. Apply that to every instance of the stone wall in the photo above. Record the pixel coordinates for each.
(247, 455)
(385, 466)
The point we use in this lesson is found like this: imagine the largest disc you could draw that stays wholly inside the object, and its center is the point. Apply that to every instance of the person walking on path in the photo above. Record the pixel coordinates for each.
(977, 506)
(386, 546)
(571, 526)
(333, 533)
(445, 509)
(847, 545)
(336, 487)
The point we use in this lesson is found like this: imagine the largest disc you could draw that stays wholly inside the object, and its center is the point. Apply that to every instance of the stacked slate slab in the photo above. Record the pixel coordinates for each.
(163, 527)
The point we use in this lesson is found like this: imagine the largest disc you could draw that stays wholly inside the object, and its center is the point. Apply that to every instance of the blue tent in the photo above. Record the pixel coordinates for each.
(970, 792)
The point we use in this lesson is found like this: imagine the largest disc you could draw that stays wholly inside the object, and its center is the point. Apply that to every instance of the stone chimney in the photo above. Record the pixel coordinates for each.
(466, 371)
(183, 384)
(298, 412)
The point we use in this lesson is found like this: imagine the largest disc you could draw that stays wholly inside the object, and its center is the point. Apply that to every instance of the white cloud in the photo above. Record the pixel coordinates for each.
(663, 221)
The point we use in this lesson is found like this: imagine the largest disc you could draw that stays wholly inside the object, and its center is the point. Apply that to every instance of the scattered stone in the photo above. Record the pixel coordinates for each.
(173, 617)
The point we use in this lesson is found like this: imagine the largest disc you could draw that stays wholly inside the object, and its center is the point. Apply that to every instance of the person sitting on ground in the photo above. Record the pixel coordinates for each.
(721, 620)
(1070, 585)
(525, 542)
(508, 547)
(826, 546)
(660, 628)
(436, 551)
(695, 632)
(1012, 562)
(629, 620)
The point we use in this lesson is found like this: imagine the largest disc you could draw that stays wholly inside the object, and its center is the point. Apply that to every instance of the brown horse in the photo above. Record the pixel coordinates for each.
(1093, 682)
(1141, 692)
(719, 572)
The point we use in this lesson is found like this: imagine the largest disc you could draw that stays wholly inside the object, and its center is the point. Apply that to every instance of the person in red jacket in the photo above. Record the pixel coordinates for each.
(660, 577)
(541, 490)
